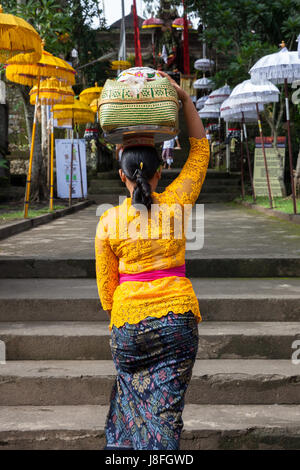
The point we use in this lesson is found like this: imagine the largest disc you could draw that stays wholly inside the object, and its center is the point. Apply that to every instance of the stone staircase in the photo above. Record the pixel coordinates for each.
(55, 386)
(218, 186)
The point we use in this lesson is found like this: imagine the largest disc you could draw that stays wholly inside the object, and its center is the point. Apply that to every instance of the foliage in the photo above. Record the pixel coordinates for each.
(47, 17)
(242, 32)
(282, 204)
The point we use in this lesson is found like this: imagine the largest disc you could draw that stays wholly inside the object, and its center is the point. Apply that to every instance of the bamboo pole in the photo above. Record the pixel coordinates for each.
(242, 164)
(71, 165)
(287, 110)
(248, 157)
(28, 181)
(79, 160)
(51, 160)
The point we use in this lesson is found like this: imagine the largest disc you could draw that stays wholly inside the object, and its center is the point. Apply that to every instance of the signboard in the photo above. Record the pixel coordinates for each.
(259, 175)
(63, 167)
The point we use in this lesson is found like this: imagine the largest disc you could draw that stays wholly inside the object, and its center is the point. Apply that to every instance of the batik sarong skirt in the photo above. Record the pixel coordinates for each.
(154, 361)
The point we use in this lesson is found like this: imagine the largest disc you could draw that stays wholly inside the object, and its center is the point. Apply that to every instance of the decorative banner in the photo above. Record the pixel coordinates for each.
(186, 53)
(260, 180)
(63, 167)
(187, 84)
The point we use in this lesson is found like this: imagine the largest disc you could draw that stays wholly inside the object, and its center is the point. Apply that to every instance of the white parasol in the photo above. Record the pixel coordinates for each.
(281, 67)
(261, 92)
(277, 67)
(201, 102)
(219, 95)
(204, 64)
(212, 111)
(231, 113)
(203, 84)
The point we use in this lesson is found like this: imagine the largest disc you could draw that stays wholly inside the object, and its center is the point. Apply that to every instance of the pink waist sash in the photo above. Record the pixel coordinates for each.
(152, 275)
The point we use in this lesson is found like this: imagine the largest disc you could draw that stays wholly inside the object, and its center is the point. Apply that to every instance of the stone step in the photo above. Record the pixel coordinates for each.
(220, 299)
(218, 185)
(44, 383)
(117, 187)
(205, 427)
(197, 265)
(110, 197)
(174, 172)
(90, 340)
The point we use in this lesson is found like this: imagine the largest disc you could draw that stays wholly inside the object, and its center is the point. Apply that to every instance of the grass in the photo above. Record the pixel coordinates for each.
(282, 204)
(12, 215)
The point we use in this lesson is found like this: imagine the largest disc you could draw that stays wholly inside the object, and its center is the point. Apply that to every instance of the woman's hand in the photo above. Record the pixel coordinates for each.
(182, 95)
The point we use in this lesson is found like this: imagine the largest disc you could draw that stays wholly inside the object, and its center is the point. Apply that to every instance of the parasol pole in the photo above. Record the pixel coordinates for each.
(219, 122)
(48, 147)
(28, 181)
(227, 151)
(71, 168)
(264, 154)
(79, 159)
(153, 47)
(248, 156)
(242, 164)
(51, 159)
(287, 110)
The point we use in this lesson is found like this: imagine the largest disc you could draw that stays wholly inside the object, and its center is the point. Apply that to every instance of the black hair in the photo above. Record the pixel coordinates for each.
(139, 165)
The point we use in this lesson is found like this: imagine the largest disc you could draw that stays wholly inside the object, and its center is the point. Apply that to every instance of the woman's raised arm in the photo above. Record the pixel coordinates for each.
(186, 187)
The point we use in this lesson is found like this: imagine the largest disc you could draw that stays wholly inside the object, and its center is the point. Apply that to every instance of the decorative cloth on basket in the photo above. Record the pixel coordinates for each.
(155, 105)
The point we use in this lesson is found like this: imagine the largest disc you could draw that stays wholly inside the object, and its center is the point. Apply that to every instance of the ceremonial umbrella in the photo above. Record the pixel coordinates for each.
(90, 94)
(17, 36)
(153, 24)
(212, 111)
(201, 102)
(203, 84)
(179, 23)
(94, 105)
(204, 64)
(76, 113)
(230, 112)
(281, 67)
(21, 72)
(120, 65)
(51, 92)
(219, 95)
(262, 92)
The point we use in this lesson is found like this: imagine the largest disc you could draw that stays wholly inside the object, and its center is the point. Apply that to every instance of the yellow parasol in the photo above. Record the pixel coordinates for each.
(90, 94)
(48, 66)
(94, 105)
(51, 92)
(17, 36)
(76, 113)
(19, 71)
(120, 65)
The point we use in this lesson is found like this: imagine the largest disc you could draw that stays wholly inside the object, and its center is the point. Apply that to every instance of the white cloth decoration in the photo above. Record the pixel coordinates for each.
(2, 93)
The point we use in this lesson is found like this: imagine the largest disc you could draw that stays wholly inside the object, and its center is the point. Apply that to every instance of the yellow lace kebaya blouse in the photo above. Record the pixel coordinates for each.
(121, 245)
